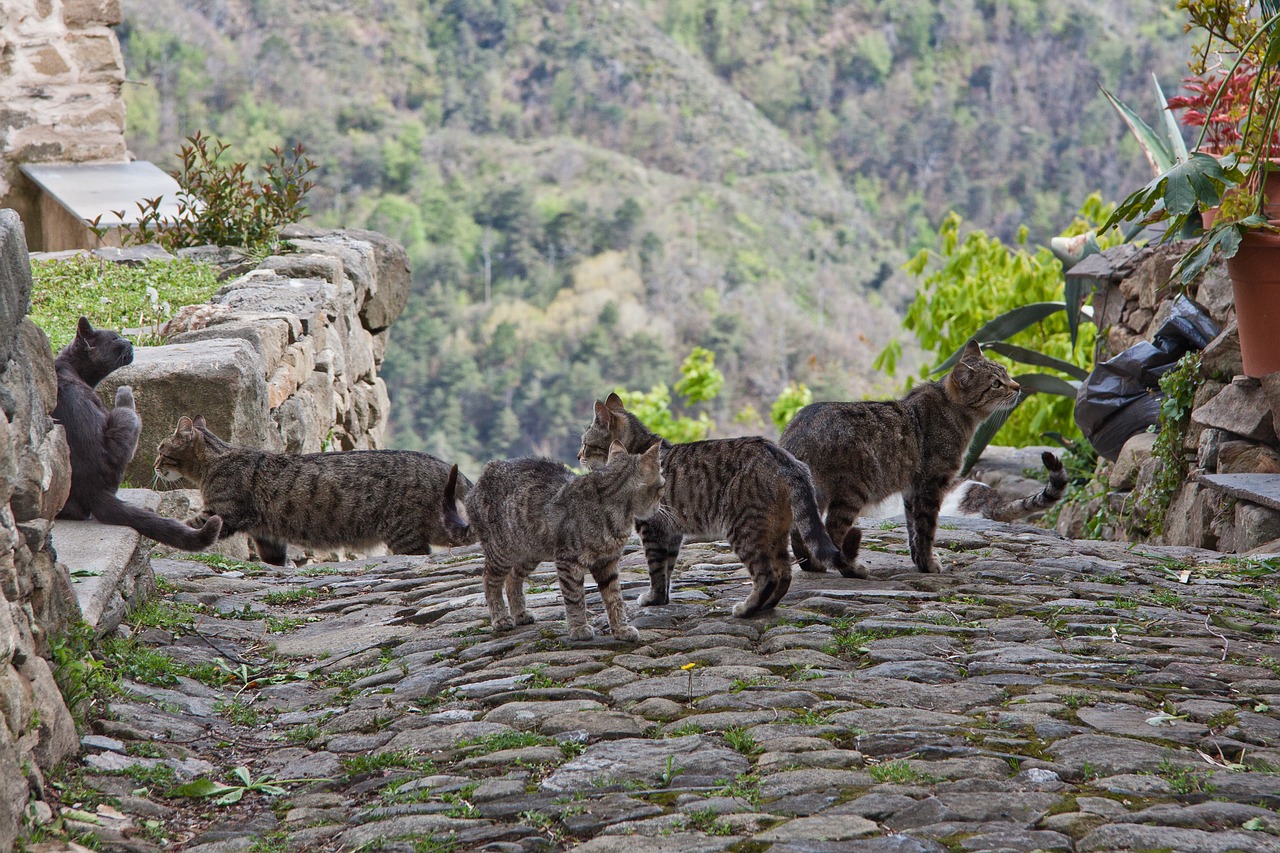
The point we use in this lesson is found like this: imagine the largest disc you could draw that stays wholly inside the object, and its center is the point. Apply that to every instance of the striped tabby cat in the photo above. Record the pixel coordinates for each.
(979, 499)
(352, 499)
(748, 490)
(529, 510)
(863, 452)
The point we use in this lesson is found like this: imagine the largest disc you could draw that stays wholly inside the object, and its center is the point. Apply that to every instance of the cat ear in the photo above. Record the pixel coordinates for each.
(199, 422)
(972, 352)
(615, 450)
(614, 403)
(185, 426)
(603, 418)
(83, 329)
(651, 456)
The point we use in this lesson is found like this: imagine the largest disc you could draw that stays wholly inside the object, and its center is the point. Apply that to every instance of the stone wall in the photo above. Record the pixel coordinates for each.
(36, 598)
(1233, 419)
(60, 77)
(285, 356)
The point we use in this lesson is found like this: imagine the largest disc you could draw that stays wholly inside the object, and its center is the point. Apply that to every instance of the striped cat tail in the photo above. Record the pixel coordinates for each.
(806, 519)
(454, 524)
(987, 502)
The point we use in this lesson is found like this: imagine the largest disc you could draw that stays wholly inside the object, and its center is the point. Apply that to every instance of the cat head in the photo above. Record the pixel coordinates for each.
(184, 453)
(643, 472)
(612, 422)
(981, 384)
(94, 353)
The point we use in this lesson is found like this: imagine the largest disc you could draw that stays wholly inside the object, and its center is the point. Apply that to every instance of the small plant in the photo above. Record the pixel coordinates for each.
(740, 740)
(898, 771)
(238, 712)
(669, 773)
(1179, 386)
(1184, 780)
(743, 787)
(538, 678)
(686, 729)
(292, 596)
(219, 204)
(707, 821)
(241, 783)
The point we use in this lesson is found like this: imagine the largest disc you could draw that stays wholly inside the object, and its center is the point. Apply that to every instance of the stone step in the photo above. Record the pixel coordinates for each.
(110, 565)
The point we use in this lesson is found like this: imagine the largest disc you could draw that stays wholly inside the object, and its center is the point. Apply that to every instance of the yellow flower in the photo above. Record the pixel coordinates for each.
(689, 666)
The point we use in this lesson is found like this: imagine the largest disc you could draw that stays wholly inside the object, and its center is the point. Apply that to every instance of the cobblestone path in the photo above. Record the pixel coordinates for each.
(1040, 694)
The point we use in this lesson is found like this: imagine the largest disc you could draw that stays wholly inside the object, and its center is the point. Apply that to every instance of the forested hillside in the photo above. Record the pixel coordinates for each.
(589, 190)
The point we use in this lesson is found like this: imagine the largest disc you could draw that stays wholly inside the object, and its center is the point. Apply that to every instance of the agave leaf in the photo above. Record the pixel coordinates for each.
(1047, 383)
(1006, 325)
(1038, 359)
(1156, 150)
(986, 431)
(1200, 180)
(1172, 135)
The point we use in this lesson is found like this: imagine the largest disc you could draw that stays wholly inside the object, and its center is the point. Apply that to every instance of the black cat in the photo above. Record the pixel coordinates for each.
(102, 442)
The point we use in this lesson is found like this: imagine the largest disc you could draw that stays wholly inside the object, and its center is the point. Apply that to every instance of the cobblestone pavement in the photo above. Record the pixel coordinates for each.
(1040, 694)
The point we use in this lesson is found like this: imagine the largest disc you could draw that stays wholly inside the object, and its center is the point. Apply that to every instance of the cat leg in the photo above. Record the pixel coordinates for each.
(495, 575)
(841, 518)
(606, 574)
(782, 567)
(121, 433)
(803, 560)
(515, 595)
(661, 547)
(765, 578)
(921, 507)
(569, 571)
(272, 551)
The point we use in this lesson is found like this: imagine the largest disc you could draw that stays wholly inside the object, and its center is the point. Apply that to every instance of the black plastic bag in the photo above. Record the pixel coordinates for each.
(1122, 397)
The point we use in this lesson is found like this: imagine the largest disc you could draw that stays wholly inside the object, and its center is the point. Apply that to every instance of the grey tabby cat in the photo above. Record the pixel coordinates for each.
(353, 499)
(863, 452)
(747, 490)
(973, 498)
(529, 510)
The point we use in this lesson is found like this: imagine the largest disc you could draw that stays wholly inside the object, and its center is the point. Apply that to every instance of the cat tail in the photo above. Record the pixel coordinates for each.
(1045, 498)
(454, 524)
(806, 519)
(167, 531)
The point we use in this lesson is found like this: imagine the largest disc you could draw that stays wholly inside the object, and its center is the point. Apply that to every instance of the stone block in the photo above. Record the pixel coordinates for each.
(1246, 457)
(263, 292)
(221, 379)
(356, 256)
(384, 302)
(1214, 294)
(1208, 445)
(1221, 358)
(1271, 389)
(1241, 408)
(57, 730)
(1150, 279)
(96, 54)
(1138, 318)
(1124, 474)
(1190, 517)
(268, 336)
(46, 61)
(326, 267)
(15, 281)
(1254, 526)
(77, 14)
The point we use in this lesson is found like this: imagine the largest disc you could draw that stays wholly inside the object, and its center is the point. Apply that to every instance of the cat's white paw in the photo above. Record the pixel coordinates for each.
(584, 632)
(651, 598)
(124, 397)
(524, 618)
(627, 634)
(503, 623)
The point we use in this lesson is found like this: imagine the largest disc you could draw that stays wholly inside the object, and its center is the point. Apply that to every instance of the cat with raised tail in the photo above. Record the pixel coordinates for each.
(748, 490)
(351, 499)
(863, 452)
(102, 441)
(526, 511)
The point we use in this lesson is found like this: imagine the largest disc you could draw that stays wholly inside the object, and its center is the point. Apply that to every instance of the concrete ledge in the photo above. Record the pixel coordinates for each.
(120, 557)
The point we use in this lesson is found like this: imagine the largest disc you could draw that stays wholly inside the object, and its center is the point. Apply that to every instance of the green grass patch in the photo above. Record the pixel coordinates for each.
(740, 740)
(115, 296)
(899, 771)
(293, 596)
(362, 764)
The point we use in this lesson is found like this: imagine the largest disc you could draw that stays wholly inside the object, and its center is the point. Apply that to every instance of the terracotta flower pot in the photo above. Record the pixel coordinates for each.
(1255, 283)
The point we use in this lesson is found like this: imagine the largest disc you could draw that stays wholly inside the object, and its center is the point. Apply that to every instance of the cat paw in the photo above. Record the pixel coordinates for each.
(807, 564)
(504, 623)
(525, 618)
(652, 599)
(124, 397)
(584, 632)
(742, 610)
(934, 566)
(627, 634)
(853, 570)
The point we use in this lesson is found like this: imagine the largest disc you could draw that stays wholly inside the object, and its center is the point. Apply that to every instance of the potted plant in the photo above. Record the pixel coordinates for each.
(1238, 111)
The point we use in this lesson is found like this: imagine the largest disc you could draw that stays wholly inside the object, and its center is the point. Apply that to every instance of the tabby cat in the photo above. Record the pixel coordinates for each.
(974, 498)
(353, 499)
(529, 510)
(103, 442)
(747, 490)
(862, 452)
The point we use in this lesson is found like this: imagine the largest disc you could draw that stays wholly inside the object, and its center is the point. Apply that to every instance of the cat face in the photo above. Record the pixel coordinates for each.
(182, 453)
(981, 383)
(608, 426)
(94, 353)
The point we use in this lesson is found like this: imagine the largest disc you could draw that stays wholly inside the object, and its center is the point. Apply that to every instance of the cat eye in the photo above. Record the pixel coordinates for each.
(995, 382)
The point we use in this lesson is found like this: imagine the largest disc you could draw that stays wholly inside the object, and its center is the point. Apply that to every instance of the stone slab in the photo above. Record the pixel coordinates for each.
(1258, 488)
(110, 565)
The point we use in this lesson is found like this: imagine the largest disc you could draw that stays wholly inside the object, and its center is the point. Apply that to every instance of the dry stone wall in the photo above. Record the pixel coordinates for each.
(285, 355)
(36, 598)
(60, 77)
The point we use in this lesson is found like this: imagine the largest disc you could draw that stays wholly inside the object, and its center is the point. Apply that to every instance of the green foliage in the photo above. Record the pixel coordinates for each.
(792, 399)
(241, 783)
(218, 204)
(966, 282)
(699, 382)
(1179, 386)
(114, 296)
